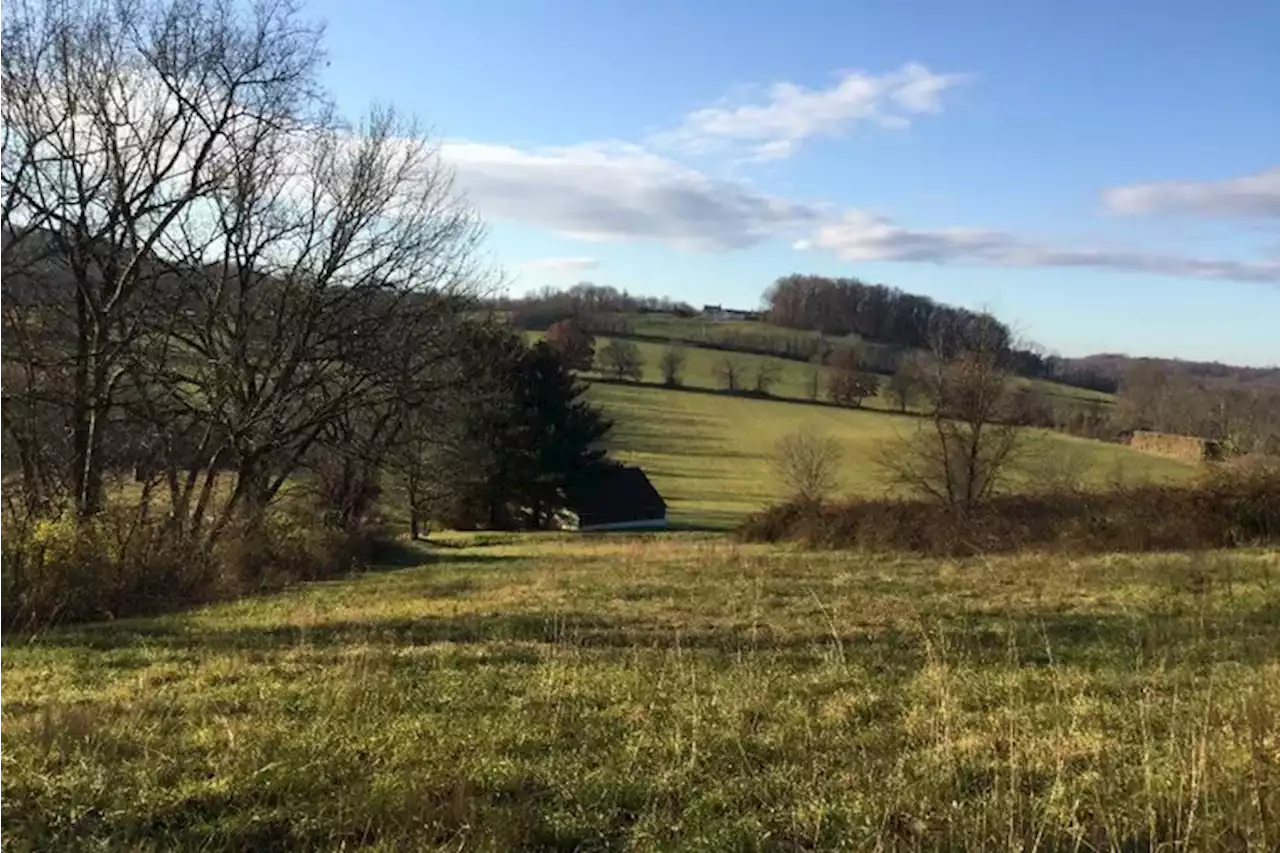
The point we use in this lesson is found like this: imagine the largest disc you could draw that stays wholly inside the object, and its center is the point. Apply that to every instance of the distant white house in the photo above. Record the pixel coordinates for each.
(720, 314)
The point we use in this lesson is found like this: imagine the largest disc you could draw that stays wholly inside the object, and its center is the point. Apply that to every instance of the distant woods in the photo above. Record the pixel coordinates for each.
(586, 302)
(1243, 416)
(840, 307)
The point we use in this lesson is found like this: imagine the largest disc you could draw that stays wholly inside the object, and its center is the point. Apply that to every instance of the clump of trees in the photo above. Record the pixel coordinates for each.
(251, 312)
(848, 384)
(905, 387)
(767, 375)
(594, 305)
(672, 366)
(877, 312)
(575, 343)
(521, 446)
(905, 322)
(731, 372)
(621, 359)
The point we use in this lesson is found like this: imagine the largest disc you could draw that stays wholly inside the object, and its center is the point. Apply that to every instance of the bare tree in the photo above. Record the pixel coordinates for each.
(622, 359)
(808, 463)
(574, 342)
(964, 453)
(203, 266)
(905, 384)
(324, 316)
(672, 366)
(813, 383)
(731, 371)
(767, 375)
(848, 384)
(120, 121)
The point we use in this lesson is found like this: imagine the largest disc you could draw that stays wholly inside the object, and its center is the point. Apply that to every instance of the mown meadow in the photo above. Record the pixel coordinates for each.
(711, 455)
(668, 692)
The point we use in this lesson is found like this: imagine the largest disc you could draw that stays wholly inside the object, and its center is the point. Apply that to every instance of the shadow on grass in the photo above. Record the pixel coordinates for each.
(712, 521)
(431, 816)
(394, 555)
(749, 394)
(1245, 637)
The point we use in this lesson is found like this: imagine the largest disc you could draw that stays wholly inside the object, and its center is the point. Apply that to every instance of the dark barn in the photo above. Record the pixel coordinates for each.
(622, 498)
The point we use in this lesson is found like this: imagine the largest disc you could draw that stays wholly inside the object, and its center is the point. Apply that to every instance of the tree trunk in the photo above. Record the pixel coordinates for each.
(415, 514)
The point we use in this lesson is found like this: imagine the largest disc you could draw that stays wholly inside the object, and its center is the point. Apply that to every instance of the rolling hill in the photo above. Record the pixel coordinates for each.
(710, 454)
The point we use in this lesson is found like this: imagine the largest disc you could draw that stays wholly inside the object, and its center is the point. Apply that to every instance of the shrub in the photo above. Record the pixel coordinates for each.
(1227, 509)
(808, 463)
(59, 570)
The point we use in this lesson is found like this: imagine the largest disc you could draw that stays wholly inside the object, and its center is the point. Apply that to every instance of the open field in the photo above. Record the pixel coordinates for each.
(697, 329)
(792, 376)
(678, 692)
(700, 371)
(710, 454)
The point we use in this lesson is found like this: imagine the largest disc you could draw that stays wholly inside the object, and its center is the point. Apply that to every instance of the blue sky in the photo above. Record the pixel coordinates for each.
(1104, 176)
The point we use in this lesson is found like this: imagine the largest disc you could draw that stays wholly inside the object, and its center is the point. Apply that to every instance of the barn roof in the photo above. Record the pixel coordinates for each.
(620, 493)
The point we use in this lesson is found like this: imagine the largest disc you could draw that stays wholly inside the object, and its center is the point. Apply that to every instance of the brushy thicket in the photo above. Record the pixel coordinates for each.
(1227, 508)
(114, 566)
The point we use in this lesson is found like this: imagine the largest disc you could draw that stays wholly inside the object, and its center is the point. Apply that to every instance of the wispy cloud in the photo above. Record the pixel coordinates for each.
(625, 192)
(613, 192)
(560, 265)
(1247, 197)
(774, 125)
(860, 236)
(619, 192)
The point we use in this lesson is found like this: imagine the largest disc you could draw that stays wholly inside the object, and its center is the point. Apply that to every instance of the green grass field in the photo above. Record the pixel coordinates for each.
(696, 329)
(793, 377)
(669, 693)
(711, 455)
(700, 370)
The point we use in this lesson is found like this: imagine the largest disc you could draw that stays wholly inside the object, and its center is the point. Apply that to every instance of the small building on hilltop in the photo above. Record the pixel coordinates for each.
(621, 498)
(1188, 448)
(720, 314)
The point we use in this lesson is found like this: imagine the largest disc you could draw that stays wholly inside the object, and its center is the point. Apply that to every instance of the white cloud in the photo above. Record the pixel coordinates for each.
(860, 236)
(788, 114)
(619, 192)
(560, 265)
(614, 192)
(1251, 196)
(624, 192)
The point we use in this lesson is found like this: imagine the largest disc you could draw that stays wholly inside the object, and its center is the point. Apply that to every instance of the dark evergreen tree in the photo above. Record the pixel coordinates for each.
(526, 442)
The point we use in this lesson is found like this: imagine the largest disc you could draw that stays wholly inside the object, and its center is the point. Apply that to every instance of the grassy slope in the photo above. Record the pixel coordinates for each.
(793, 376)
(695, 329)
(700, 370)
(710, 454)
(681, 693)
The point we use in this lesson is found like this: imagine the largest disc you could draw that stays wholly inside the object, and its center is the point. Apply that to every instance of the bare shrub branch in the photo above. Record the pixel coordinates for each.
(808, 463)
